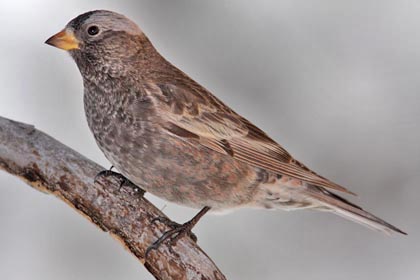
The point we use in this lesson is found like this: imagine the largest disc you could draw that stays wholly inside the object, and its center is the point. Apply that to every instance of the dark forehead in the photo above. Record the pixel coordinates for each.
(78, 21)
(106, 19)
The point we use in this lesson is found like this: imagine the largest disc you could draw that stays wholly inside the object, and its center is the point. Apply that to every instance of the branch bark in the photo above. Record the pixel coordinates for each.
(51, 167)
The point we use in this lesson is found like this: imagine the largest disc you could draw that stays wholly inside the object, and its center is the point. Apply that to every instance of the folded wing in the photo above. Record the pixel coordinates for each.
(192, 112)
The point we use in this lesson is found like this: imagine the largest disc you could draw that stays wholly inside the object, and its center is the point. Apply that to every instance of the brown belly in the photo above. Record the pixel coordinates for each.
(183, 172)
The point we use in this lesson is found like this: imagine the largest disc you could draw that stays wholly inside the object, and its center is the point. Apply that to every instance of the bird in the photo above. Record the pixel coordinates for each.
(175, 139)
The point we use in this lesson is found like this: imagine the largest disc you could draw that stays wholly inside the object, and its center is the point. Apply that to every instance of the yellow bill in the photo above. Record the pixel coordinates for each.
(64, 40)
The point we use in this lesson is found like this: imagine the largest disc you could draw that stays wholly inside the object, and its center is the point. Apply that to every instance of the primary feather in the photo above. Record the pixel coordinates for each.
(221, 129)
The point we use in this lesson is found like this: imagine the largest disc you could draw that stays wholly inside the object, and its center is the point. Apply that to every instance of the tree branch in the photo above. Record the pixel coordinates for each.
(50, 166)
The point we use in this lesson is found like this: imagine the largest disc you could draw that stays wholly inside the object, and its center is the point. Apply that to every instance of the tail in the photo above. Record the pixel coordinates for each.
(342, 207)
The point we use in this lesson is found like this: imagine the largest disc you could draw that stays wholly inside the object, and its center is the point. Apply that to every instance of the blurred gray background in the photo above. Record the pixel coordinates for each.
(335, 82)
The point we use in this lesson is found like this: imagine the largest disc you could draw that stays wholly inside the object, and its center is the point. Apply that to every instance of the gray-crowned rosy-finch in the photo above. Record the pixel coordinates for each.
(173, 138)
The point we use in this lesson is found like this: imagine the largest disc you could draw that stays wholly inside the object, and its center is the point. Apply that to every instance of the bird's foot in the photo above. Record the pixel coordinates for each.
(175, 225)
(173, 235)
(177, 232)
(123, 180)
(107, 173)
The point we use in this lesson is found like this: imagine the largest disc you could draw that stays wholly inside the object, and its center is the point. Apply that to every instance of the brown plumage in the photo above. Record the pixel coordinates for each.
(172, 137)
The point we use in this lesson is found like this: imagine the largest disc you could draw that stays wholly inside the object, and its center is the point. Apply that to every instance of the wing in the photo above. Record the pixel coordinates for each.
(190, 111)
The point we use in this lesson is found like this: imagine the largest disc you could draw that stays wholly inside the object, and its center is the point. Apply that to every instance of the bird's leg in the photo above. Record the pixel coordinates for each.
(108, 172)
(123, 181)
(105, 173)
(173, 225)
(178, 230)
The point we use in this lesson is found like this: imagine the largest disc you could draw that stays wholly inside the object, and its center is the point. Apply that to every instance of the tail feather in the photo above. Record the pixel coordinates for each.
(350, 211)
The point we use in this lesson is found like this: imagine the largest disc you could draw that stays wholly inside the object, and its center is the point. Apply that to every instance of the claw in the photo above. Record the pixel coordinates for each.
(177, 232)
(166, 221)
(123, 181)
(105, 173)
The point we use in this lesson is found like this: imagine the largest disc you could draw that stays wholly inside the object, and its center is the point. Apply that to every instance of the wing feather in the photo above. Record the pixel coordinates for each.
(193, 109)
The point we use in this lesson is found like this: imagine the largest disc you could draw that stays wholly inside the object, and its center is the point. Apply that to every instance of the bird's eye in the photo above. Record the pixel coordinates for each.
(93, 30)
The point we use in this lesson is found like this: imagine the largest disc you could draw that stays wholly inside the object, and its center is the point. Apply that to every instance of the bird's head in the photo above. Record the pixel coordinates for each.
(100, 41)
